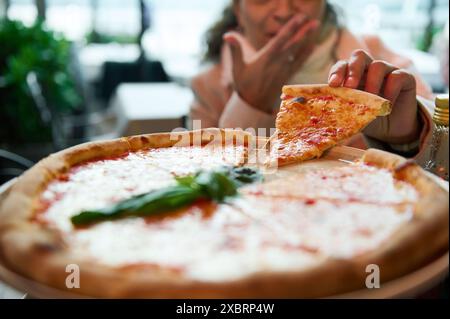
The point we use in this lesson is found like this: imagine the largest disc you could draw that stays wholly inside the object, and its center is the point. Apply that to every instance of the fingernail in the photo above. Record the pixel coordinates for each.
(333, 79)
(229, 40)
(351, 82)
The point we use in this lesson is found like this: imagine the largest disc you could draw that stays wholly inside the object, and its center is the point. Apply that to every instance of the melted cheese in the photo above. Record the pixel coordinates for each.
(357, 183)
(338, 230)
(226, 246)
(355, 209)
(99, 184)
(306, 130)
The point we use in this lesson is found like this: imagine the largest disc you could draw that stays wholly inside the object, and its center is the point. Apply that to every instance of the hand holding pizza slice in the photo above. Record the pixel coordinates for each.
(314, 118)
(398, 86)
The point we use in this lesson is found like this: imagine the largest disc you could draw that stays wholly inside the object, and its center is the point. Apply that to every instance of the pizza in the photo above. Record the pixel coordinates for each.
(314, 118)
(115, 210)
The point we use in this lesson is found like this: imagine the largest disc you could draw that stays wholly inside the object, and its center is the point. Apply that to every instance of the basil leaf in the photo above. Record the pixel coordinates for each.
(153, 203)
(215, 185)
(186, 180)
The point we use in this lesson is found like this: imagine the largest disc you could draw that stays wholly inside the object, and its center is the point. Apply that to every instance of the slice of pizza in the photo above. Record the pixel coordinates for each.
(314, 118)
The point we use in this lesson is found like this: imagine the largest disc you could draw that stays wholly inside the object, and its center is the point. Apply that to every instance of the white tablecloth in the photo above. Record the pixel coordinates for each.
(151, 107)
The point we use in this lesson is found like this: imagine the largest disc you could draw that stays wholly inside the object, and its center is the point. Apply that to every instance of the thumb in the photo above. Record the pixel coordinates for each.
(233, 39)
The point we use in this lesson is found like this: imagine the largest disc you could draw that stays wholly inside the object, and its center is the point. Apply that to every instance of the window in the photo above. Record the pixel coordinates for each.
(178, 27)
(178, 31)
(401, 24)
(23, 10)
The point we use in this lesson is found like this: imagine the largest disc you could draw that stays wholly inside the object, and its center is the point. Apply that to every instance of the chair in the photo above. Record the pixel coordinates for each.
(12, 165)
(68, 129)
(116, 73)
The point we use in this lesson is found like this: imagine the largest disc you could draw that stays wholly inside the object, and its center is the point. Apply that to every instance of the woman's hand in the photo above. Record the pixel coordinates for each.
(259, 80)
(383, 79)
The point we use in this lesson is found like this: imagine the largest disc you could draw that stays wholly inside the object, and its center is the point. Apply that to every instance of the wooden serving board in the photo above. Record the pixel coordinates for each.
(408, 286)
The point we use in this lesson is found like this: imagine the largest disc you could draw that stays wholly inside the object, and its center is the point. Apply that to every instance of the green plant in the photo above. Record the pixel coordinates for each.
(101, 38)
(32, 49)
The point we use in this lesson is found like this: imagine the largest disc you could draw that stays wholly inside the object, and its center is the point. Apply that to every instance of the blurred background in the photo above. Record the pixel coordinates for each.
(79, 70)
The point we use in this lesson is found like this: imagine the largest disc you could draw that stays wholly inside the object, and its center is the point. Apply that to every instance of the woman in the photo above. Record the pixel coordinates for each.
(260, 45)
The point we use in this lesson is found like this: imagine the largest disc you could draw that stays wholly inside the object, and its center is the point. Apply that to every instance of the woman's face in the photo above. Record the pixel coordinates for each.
(262, 19)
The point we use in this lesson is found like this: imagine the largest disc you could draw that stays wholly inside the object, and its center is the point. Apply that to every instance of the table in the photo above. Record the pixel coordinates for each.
(144, 108)
(9, 293)
(93, 56)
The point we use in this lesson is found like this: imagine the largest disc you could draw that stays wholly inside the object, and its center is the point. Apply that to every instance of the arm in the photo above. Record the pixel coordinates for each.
(202, 112)
(209, 98)
(239, 114)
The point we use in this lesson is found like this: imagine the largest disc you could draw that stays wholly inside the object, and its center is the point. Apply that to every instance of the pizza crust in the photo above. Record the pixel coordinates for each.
(427, 235)
(342, 92)
(39, 253)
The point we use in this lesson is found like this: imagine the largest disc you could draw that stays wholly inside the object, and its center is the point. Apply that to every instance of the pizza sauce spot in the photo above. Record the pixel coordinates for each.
(285, 97)
(45, 204)
(315, 120)
(365, 232)
(303, 247)
(363, 109)
(256, 193)
(331, 131)
(315, 140)
(64, 178)
(326, 98)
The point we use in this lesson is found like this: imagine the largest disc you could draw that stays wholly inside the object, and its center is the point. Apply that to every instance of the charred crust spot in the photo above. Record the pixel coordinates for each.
(144, 140)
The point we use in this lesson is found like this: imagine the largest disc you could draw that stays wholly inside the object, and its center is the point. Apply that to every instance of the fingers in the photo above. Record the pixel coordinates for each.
(357, 67)
(278, 43)
(338, 74)
(303, 37)
(376, 75)
(398, 82)
(233, 39)
(381, 78)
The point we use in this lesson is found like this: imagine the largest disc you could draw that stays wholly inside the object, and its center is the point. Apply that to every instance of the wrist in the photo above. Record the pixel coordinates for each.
(410, 137)
(411, 143)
